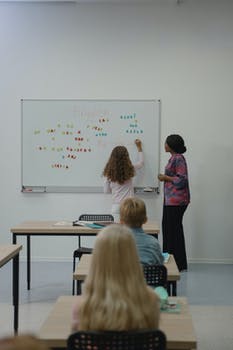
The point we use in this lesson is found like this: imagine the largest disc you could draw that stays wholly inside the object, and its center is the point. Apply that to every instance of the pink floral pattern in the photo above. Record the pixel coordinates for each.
(177, 192)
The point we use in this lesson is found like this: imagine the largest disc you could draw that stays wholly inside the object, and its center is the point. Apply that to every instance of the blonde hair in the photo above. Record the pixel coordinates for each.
(133, 212)
(22, 342)
(116, 296)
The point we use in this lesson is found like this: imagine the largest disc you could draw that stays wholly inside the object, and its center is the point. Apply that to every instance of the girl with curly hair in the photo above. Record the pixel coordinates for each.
(118, 175)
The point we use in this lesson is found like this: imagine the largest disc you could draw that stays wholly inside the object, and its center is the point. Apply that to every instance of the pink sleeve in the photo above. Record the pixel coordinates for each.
(107, 187)
(180, 179)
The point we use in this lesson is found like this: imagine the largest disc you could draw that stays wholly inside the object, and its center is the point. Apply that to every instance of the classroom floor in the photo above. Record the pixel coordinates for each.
(208, 287)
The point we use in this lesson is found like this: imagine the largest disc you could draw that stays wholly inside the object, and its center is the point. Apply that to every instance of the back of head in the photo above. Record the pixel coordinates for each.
(119, 167)
(115, 289)
(119, 153)
(176, 143)
(133, 212)
(114, 258)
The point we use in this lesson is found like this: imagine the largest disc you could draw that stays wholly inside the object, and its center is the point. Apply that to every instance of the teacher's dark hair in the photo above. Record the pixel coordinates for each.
(176, 143)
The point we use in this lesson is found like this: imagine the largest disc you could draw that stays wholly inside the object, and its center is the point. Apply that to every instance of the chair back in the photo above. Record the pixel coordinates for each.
(96, 217)
(155, 275)
(117, 340)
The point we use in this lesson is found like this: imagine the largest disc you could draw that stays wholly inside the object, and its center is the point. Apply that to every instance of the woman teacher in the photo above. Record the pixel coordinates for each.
(176, 200)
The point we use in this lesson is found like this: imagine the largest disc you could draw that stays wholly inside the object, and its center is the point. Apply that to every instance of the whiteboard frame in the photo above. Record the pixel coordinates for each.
(88, 189)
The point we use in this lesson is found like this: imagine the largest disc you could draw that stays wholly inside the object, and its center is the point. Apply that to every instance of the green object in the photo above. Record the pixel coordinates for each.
(94, 226)
(166, 257)
(172, 309)
(163, 296)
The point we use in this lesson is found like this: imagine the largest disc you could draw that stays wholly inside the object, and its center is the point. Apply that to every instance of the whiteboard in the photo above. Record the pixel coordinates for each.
(66, 143)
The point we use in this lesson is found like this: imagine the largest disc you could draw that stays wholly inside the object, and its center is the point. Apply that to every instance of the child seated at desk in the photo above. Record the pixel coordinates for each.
(133, 214)
(115, 295)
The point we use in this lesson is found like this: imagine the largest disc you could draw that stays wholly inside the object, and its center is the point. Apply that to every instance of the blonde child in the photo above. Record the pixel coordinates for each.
(133, 214)
(115, 295)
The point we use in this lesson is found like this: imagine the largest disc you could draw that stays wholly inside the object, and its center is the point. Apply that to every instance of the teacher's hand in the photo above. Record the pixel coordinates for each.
(161, 177)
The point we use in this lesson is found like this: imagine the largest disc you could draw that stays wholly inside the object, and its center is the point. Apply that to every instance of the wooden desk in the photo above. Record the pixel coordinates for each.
(173, 274)
(8, 252)
(54, 228)
(177, 327)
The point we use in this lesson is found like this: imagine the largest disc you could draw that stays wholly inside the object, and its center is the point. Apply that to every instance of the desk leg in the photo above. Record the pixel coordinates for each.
(14, 241)
(29, 262)
(16, 291)
(78, 287)
(173, 288)
(169, 288)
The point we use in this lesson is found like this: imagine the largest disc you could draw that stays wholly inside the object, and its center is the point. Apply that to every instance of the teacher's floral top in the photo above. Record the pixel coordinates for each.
(177, 192)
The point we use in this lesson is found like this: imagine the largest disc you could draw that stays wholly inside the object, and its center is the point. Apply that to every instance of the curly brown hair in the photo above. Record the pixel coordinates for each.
(119, 167)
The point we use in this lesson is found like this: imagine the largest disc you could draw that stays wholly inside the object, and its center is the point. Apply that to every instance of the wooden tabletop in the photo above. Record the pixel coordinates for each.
(8, 251)
(61, 227)
(177, 327)
(82, 268)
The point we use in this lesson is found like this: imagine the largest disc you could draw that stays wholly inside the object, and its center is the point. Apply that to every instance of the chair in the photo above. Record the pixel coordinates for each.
(155, 275)
(83, 250)
(117, 340)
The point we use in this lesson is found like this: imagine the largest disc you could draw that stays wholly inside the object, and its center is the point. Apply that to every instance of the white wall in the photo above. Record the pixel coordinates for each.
(182, 54)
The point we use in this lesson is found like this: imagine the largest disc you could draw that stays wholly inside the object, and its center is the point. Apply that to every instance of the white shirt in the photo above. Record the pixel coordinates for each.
(125, 190)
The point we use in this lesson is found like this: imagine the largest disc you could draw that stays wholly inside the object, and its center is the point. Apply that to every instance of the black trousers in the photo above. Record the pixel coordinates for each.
(173, 234)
